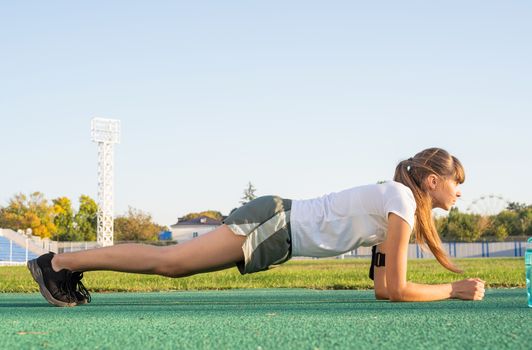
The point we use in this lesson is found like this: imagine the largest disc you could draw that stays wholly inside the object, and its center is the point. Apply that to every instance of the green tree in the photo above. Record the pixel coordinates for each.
(463, 227)
(63, 218)
(524, 217)
(85, 220)
(523, 224)
(517, 219)
(507, 219)
(136, 225)
(249, 194)
(213, 214)
(500, 232)
(441, 227)
(516, 206)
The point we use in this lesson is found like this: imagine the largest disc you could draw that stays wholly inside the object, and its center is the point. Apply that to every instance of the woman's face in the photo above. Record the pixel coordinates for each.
(444, 192)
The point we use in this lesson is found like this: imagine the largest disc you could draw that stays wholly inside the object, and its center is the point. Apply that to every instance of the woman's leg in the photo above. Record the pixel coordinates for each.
(215, 250)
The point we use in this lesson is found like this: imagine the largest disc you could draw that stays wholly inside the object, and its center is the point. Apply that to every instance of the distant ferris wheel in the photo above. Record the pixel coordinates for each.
(487, 205)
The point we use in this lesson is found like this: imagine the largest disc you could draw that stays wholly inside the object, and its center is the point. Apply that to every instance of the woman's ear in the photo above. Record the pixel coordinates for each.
(431, 182)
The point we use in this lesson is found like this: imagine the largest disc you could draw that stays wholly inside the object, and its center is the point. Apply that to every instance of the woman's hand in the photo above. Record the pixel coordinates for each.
(469, 289)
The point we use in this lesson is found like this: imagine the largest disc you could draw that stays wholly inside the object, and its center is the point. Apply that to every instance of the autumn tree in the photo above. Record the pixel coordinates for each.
(213, 214)
(136, 225)
(33, 211)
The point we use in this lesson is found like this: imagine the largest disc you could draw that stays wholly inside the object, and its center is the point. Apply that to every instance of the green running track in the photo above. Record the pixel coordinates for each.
(266, 319)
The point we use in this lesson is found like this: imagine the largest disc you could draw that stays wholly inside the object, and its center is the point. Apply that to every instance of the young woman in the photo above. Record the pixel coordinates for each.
(270, 230)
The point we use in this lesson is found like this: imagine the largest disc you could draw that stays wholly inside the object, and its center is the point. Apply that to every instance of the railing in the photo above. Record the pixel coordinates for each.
(17, 249)
(12, 253)
(67, 247)
(456, 250)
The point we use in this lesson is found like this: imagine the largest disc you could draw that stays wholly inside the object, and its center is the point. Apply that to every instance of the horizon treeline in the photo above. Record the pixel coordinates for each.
(58, 221)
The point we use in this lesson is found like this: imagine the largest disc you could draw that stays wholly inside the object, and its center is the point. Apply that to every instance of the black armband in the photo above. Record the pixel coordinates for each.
(377, 259)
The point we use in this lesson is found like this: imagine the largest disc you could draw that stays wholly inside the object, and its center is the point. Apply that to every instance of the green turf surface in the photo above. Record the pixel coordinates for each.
(315, 274)
(266, 319)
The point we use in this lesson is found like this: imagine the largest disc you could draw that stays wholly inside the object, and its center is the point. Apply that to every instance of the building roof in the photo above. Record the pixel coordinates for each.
(200, 220)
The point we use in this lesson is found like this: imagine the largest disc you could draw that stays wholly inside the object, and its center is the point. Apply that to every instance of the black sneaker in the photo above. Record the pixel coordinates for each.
(55, 287)
(82, 294)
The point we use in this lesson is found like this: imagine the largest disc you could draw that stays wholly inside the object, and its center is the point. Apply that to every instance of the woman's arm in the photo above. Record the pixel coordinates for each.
(390, 280)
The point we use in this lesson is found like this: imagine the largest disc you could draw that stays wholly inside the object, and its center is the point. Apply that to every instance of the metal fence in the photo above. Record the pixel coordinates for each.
(14, 253)
(457, 250)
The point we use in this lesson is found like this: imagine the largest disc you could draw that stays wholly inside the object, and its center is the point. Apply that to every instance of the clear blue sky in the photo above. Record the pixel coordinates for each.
(301, 98)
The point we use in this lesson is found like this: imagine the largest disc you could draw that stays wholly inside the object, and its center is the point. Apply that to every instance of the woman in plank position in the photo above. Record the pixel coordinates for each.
(270, 230)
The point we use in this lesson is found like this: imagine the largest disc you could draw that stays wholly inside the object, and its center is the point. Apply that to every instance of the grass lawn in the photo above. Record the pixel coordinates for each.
(312, 273)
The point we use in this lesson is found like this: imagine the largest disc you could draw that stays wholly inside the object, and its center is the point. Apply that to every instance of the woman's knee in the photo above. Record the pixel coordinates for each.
(173, 271)
(169, 265)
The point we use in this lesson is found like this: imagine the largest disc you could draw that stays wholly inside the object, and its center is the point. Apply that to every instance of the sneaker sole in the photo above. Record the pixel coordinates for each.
(36, 272)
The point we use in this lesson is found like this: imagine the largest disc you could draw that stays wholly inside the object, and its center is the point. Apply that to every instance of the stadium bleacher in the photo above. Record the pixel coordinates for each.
(12, 252)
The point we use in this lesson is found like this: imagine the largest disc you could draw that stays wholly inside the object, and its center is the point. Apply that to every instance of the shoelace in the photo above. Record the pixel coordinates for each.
(66, 288)
(79, 287)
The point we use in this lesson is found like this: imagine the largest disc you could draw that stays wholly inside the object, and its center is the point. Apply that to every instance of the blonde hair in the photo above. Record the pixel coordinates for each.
(412, 173)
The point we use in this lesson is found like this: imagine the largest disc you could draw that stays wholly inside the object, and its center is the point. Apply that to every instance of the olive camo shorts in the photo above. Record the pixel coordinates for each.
(266, 223)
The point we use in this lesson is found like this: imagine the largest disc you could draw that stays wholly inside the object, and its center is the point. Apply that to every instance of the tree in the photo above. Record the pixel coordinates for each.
(136, 225)
(32, 212)
(509, 220)
(463, 227)
(249, 194)
(524, 217)
(500, 232)
(516, 206)
(517, 219)
(85, 220)
(213, 214)
(441, 227)
(63, 218)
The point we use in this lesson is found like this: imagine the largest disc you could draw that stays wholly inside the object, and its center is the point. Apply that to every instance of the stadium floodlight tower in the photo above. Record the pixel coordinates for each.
(105, 132)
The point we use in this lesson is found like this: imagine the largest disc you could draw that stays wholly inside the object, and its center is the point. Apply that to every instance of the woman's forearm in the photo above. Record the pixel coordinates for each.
(422, 292)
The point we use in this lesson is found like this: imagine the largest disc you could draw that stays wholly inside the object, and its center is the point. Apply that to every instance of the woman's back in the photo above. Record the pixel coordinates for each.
(339, 222)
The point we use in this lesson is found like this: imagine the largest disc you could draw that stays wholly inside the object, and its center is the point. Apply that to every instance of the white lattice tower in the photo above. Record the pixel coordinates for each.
(105, 132)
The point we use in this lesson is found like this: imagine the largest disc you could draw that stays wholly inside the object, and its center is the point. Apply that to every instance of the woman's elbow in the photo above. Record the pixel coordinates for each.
(396, 295)
(381, 294)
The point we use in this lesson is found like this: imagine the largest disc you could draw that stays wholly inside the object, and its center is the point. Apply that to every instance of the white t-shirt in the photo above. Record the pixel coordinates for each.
(340, 222)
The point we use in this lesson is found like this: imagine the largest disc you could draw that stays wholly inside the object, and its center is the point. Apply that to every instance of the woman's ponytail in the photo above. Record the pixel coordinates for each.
(411, 173)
